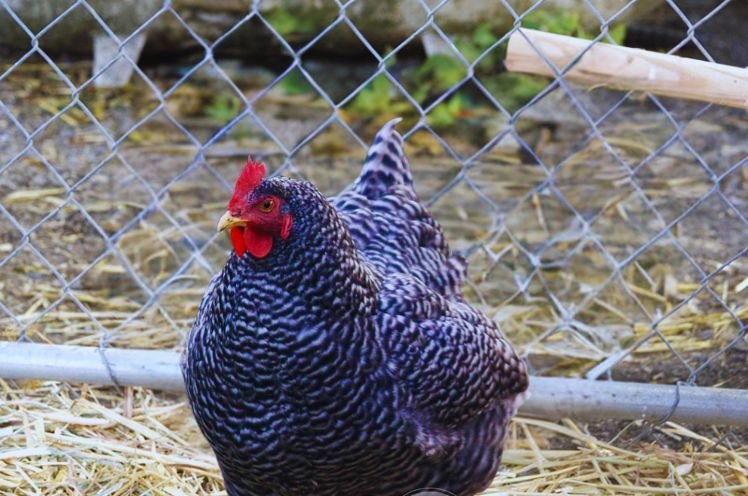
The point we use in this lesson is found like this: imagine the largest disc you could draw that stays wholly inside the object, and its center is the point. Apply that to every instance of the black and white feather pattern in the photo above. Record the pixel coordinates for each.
(347, 362)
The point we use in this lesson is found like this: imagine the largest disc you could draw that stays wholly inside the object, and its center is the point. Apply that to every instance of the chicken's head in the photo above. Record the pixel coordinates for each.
(255, 218)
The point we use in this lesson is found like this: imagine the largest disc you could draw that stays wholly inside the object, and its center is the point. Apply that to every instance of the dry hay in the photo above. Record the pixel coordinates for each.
(66, 440)
(140, 288)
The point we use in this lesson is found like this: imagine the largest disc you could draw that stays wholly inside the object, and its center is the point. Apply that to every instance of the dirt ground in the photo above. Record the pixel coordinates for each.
(577, 241)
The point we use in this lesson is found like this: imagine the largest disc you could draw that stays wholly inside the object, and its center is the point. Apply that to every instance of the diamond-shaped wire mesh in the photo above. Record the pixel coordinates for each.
(606, 231)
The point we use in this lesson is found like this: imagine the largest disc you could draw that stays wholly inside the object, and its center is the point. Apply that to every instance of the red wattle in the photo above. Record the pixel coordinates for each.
(237, 240)
(257, 243)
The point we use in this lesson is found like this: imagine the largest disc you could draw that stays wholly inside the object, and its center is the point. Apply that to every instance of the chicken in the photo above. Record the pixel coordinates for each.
(334, 354)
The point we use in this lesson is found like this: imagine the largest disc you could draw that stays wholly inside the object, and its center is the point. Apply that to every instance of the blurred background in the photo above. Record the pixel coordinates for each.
(606, 231)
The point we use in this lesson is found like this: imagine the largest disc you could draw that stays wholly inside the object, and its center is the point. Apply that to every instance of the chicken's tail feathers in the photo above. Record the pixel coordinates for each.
(385, 165)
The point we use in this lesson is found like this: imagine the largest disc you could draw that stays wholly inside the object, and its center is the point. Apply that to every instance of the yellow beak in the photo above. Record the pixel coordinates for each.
(228, 221)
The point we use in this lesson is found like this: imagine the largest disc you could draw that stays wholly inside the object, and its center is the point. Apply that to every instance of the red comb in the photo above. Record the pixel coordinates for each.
(250, 177)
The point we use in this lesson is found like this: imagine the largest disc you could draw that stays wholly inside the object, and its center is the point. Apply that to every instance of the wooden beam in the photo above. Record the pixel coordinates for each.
(627, 68)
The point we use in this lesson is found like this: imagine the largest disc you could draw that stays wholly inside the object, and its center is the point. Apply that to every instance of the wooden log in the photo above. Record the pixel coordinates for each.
(550, 397)
(627, 68)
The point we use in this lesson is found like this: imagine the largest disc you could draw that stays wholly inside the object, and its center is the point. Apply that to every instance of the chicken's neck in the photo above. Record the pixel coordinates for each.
(289, 326)
(321, 282)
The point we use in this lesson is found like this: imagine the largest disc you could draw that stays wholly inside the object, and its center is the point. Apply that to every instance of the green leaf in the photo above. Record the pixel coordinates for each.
(223, 108)
(468, 49)
(618, 34)
(374, 99)
(456, 104)
(567, 23)
(295, 84)
(514, 90)
(282, 21)
(288, 23)
(560, 22)
(483, 37)
(444, 115)
(420, 94)
(389, 60)
(440, 117)
(441, 71)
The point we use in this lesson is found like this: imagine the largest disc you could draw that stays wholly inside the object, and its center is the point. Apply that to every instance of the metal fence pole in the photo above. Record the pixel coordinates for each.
(549, 397)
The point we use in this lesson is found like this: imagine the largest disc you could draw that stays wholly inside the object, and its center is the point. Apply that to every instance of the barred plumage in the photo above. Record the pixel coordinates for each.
(346, 360)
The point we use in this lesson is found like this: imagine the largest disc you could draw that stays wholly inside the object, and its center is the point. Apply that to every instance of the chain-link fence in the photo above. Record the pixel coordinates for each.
(606, 231)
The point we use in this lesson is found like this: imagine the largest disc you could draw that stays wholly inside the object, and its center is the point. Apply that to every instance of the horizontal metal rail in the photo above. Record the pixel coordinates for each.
(550, 397)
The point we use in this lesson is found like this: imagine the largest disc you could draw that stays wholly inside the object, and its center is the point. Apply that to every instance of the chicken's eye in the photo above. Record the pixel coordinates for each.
(266, 206)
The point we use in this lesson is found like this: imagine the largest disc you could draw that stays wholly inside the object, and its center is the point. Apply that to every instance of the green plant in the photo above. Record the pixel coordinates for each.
(438, 73)
(295, 84)
(567, 23)
(223, 107)
(441, 71)
(289, 23)
(373, 98)
(513, 89)
(444, 115)
(482, 39)
(379, 99)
